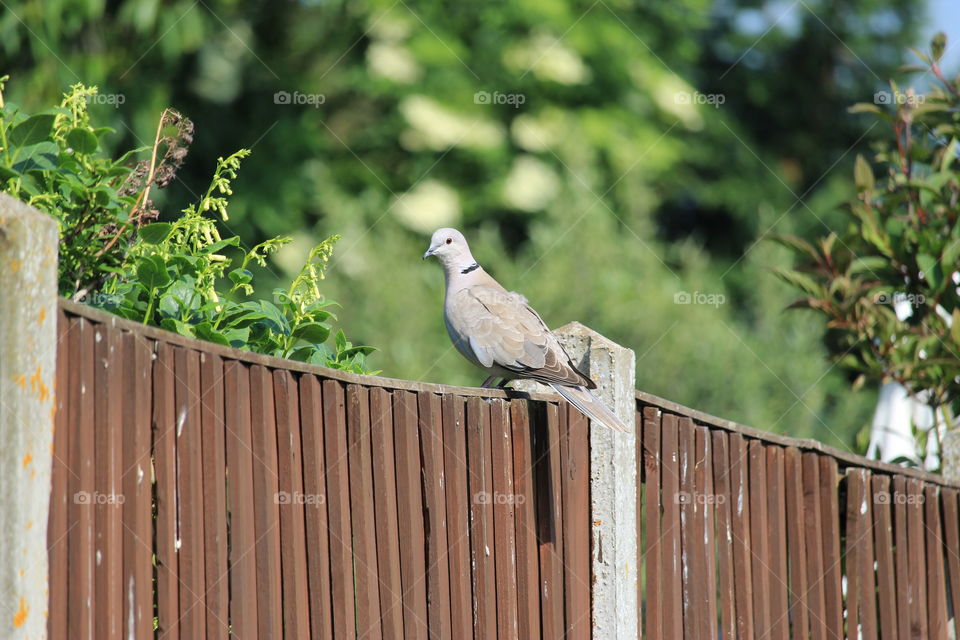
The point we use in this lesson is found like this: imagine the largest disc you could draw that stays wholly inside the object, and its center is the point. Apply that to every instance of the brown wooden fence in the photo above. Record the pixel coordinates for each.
(209, 492)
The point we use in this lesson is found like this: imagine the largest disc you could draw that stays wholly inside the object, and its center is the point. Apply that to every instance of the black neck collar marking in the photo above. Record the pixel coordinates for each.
(472, 267)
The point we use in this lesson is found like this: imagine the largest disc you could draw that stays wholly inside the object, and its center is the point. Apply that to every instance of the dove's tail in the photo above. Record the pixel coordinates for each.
(591, 406)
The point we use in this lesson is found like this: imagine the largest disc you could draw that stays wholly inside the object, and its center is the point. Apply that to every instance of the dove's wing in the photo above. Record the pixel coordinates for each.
(497, 328)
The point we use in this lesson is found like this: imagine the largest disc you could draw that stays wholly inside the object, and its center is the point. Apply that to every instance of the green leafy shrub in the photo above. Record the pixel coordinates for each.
(899, 252)
(180, 275)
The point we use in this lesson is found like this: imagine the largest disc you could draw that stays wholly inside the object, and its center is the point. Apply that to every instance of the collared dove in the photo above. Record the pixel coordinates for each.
(499, 332)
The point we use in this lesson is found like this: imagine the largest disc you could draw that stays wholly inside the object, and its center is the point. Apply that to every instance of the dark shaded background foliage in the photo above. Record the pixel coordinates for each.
(652, 197)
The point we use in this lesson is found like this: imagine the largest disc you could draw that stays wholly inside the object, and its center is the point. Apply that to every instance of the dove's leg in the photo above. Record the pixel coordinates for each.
(488, 383)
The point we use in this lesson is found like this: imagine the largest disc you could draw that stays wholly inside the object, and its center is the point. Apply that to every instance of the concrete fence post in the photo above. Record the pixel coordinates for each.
(28, 349)
(613, 482)
(950, 456)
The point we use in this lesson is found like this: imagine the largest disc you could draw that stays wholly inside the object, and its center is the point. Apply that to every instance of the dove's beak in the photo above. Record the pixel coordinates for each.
(429, 253)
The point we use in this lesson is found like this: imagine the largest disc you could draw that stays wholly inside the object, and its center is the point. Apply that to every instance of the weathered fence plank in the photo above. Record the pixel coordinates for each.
(243, 536)
(216, 569)
(363, 524)
(293, 502)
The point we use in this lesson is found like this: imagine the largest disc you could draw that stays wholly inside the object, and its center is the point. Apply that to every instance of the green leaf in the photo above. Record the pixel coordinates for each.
(315, 332)
(155, 233)
(931, 270)
(41, 156)
(152, 273)
(32, 130)
(205, 331)
(937, 45)
(240, 276)
(216, 246)
(82, 140)
(863, 174)
(795, 243)
(799, 280)
(949, 155)
(868, 264)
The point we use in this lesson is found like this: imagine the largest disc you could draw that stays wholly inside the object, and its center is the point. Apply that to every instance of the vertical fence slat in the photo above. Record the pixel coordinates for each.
(742, 559)
(936, 575)
(481, 519)
(692, 571)
(904, 592)
(504, 504)
(575, 447)
(338, 510)
(315, 484)
(293, 504)
(868, 580)
(137, 489)
(61, 472)
(796, 544)
(854, 551)
(883, 543)
(759, 539)
(80, 545)
(359, 457)
(165, 461)
(107, 499)
(652, 497)
(917, 563)
(528, 573)
(725, 541)
(830, 529)
(215, 495)
(550, 523)
(239, 451)
(413, 567)
(267, 511)
(951, 521)
(434, 479)
(385, 504)
(777, 544)
(190, 490)
(458, 512)
(813, 543)
(672, 578)
(706, 508)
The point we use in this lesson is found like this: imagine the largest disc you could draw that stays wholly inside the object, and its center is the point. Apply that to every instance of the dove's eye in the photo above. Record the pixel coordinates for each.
(449, 240)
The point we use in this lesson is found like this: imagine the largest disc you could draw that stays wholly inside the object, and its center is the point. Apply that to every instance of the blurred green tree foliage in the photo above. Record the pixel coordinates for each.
(603, 157)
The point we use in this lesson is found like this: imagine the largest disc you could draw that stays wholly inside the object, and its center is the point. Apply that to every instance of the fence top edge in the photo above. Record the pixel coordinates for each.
(845, 458)
(96, 315)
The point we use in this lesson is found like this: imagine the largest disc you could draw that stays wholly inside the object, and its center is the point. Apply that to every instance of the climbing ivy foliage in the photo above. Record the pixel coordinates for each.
(183, 275)
(888, 283)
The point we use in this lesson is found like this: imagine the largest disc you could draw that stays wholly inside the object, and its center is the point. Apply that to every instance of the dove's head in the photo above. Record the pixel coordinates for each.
(450, 247)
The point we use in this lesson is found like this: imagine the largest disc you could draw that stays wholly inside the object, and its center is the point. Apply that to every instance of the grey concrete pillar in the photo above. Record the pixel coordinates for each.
(950, 456)
(613, 481)
(28, 349)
